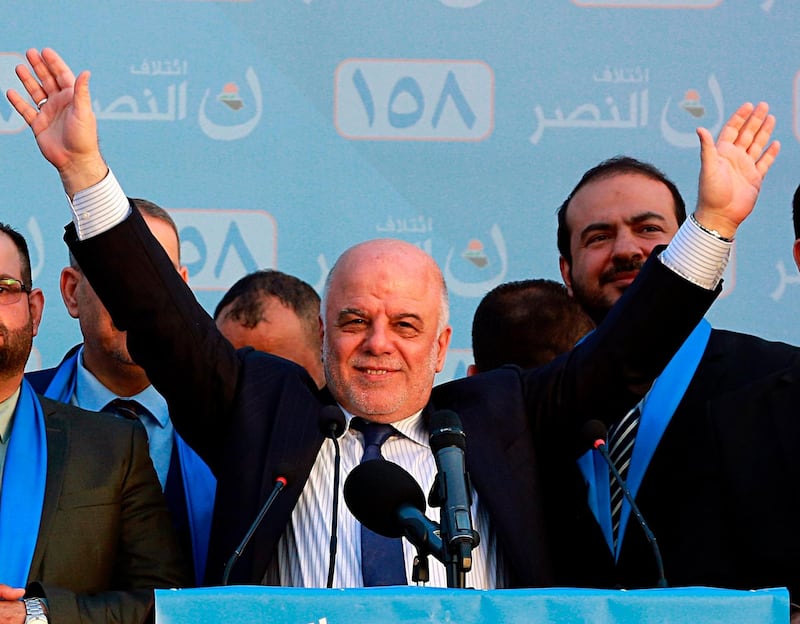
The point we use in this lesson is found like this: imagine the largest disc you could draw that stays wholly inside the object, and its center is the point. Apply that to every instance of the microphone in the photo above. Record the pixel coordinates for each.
(452, 492)
(595, 433)
(387, 500)
(284, 474)
(331, 424)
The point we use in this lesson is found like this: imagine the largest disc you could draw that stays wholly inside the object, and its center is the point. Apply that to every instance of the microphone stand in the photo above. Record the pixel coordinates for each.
(337, 460)
(600, 446)
(456, 551)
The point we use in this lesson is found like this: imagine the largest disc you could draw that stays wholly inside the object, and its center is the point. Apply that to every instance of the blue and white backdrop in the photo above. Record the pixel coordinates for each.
(279, 132)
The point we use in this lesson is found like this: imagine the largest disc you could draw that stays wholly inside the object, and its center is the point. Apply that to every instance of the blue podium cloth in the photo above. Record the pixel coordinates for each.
(387, 605)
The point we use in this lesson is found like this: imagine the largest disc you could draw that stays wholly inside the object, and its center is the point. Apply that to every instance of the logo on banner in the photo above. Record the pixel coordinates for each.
(679, 119)
(11, 122)
(231, 113)
(477, 267)
(220, 246)
(414, 100)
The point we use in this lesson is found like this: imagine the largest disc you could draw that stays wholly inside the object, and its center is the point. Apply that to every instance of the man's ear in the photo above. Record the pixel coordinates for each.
(36, 307)
(70, 280)
(566, 273)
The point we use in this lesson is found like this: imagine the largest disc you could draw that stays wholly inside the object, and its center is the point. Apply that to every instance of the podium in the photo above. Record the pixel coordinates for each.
(407, 605)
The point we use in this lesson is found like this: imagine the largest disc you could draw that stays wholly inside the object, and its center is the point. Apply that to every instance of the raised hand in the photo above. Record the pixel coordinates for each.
(62, 121)
(733, 168)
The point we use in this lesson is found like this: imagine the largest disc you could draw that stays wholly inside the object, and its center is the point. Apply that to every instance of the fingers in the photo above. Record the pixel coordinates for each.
(753, 135)
(46, 83)
(708, 151)
(730, 130)
(82, 100)
(22, 106)
(31, 84)
(749, 128)
(60, 71)
(768, 157)
(11, 593)
(756, 125)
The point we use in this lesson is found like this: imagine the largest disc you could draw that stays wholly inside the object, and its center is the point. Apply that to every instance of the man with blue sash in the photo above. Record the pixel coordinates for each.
(97, 373)
(85, 535)
(617, 215)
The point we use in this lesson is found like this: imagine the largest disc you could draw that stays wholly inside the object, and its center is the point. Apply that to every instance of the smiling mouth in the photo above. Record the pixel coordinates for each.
(375, 371)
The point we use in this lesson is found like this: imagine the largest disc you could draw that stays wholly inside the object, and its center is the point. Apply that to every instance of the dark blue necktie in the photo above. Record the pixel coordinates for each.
(381, 557)
(126, 408)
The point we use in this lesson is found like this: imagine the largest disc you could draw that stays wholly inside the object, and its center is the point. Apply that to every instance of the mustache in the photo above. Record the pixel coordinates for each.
(619, 267)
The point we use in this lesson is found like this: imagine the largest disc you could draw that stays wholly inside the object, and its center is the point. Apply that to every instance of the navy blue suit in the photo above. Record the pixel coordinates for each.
(722, 491)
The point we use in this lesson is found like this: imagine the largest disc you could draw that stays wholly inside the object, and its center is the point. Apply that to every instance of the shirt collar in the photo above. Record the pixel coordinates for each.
(412, 427)
(91, 394)
(7, 408)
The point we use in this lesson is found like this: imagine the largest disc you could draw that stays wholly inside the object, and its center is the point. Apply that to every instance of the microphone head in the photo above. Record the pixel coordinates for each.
(446, 430)
(331, 421)
(594, 432)
(374, 492)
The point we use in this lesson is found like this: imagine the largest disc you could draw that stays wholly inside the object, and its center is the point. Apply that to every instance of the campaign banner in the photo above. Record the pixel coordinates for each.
(412, 605)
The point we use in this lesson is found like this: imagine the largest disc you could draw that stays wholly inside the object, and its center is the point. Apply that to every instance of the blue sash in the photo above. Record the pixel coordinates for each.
(658, 406)
(199, 483)
(22, 496)
(200, 487)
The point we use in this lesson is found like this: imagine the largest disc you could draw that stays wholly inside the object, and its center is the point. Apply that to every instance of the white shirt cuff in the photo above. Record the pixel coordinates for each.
(99, 207)
(697, 256)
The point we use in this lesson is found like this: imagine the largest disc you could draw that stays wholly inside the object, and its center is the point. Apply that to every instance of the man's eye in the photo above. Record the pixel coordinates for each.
(598, 238)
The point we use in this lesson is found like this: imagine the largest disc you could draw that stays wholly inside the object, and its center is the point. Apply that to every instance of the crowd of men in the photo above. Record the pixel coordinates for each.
(142, 459)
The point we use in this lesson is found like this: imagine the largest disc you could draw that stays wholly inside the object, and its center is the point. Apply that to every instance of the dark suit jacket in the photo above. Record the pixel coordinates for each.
(105, 539)
(173, 488)
(247, 412)
(721, 491)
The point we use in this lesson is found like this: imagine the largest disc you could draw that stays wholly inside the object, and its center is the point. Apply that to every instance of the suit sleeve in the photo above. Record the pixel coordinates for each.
(133, 554)
(613, 368)
(169, 334)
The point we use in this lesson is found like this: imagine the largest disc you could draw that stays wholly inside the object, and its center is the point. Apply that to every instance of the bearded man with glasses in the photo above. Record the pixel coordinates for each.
(77, 486)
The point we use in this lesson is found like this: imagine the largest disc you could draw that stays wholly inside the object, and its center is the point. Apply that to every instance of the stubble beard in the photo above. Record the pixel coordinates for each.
(15, 349)
(360, 401)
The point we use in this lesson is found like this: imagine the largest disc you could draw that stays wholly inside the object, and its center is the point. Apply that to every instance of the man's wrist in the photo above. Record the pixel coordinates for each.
(84, 174)
(711, 231)
(36, 611)
(697, 255)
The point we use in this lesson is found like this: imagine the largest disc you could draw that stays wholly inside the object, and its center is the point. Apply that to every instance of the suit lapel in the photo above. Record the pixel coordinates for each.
(292, 451)
(57, 445)
(504, 472)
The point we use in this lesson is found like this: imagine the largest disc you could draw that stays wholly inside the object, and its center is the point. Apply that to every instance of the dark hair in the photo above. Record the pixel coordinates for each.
(527, 323)
(796, 212)
(150, 209)
(22, 250)
(246, 293)
(607, 169)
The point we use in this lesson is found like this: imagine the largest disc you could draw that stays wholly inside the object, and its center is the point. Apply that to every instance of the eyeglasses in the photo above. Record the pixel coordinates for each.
(11, 290)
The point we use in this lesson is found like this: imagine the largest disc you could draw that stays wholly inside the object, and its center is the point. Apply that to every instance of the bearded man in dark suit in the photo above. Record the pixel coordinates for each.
(85, 534)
